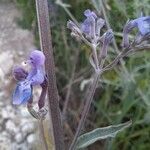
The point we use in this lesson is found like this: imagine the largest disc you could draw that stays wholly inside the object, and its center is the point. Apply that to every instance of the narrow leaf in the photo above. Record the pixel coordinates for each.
(100, 133)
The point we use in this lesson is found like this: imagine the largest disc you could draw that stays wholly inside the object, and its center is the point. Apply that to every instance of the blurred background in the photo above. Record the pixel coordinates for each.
(123, 93)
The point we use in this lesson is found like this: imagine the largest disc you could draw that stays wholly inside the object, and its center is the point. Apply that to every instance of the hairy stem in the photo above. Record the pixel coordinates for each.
(87, 105)
(94, 52)
(46, 46)
(124, 53)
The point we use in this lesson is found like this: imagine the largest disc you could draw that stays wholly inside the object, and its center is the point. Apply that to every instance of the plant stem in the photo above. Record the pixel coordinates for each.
(95, 56)
(88, 102)
(46, 46)
(42, 134)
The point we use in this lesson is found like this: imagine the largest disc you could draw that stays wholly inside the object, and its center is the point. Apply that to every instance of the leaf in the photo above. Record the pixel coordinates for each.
(100, 133)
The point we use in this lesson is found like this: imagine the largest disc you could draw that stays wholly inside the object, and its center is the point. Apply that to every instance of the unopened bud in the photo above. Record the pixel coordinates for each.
(72, 26)
(19, 73)
(107, 39)
(99, 24)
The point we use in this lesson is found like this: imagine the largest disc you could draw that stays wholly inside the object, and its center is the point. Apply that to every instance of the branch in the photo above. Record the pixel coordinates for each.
(123, 54)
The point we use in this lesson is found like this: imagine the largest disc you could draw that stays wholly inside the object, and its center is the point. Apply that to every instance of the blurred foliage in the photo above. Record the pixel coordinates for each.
(118, 98)
(28, 13)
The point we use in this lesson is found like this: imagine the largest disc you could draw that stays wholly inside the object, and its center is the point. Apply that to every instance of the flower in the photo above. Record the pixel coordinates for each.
(22, 93)
(90, 32)
(19, 73)
(36, 74)
(99, 24)
(106, 39)
(26, 80)
(88, 26)
(141, 23)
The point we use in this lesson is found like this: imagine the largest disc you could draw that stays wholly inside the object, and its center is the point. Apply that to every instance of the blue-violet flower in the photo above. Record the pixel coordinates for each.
(26, 80)
(143, 26)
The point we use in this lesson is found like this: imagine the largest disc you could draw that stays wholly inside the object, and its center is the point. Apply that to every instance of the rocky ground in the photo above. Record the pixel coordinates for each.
(17, 127)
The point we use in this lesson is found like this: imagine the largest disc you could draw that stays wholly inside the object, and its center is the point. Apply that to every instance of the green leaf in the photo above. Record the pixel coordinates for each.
(100, 133)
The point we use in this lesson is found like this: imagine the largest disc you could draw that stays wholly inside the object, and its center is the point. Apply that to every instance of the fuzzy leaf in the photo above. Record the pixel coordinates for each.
(100, 133)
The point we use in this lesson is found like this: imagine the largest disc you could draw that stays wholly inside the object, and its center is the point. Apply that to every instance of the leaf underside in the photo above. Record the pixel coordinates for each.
(100, 133)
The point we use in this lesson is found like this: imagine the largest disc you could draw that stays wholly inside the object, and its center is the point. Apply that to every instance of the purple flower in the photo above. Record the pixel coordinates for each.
(106, 40)
(26, 80)
(143, 26)
(19, 73)
(89, 13)
(99, 24)
(36, 74)
(88, 26)
(22, 93)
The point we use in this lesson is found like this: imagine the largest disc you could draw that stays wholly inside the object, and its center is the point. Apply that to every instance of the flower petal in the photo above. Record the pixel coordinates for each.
(37, 78)
(19, 73)
(37, 58)
(144, 25)
(22, 93)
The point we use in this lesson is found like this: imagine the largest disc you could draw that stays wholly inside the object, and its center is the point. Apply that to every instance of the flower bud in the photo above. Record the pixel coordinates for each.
(72, 26)
(89, 24)
(107, 39)
(127, 28)
(19, 73)
(99, 24)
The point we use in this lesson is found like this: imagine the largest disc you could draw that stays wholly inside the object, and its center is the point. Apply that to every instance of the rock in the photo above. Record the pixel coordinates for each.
(28, 128)
(31, 138)
(22, 146)
(10, 111)
(4, 143)
(5, 136)
(4, 65)
(4, 113)
(19, 138)
(24, 113)
(10, 126)
(16, 125)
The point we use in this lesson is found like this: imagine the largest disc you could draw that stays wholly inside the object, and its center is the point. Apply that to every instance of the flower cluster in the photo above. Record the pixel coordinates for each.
(89, 31)
(26, 80)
